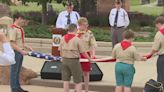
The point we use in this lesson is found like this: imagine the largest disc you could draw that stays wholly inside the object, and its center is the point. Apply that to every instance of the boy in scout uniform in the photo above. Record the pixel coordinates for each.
(158, 48)
(16, 37)
(89, 44)
(70, 48)
(125, 54)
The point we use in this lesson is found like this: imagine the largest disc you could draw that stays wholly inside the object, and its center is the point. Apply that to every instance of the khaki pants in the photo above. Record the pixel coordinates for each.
(71, 67)
(116, 34)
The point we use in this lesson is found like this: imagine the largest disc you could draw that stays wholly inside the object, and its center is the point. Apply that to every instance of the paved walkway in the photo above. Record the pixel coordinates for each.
(30, 88)
(144, 70)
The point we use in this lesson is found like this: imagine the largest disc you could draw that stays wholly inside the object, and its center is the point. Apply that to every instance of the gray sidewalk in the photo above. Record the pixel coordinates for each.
(30, 88)
(144, 71)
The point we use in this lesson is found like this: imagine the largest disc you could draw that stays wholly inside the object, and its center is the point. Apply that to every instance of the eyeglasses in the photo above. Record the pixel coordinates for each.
(86, 24)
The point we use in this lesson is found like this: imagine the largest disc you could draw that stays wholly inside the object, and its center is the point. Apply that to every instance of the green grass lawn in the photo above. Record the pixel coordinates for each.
(146, 9)
(138, 2)
(150, 9)
(35, 7)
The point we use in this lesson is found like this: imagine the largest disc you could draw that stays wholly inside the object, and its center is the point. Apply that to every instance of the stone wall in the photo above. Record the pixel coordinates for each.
(4, 10)
(104, 6)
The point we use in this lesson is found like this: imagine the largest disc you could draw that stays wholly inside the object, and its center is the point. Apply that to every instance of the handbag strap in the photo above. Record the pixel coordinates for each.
(160, 87)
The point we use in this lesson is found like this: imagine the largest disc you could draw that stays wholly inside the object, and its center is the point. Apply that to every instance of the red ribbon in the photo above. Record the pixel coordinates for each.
(162, 30)
(68, 37)
(125, 45)
(21, 29)
(110, 60)
(148, 56)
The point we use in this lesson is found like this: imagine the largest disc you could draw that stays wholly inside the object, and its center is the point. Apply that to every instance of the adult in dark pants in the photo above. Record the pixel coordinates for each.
(119, 20)
(158, 48)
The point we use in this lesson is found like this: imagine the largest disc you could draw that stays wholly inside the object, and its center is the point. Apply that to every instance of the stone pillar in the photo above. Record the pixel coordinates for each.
(4, 10)
(104, 6)
(160, 2)
(145, 2)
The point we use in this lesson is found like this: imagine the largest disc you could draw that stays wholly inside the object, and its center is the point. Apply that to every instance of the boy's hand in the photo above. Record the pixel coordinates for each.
(28, 48)
(24, 52)
(144, 58)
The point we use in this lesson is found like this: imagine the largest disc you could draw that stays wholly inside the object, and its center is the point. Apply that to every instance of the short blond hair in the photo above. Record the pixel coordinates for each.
(82, 20)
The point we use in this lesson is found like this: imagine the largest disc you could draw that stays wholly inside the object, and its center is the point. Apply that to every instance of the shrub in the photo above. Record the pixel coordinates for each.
(37, 31)
(140, 19)
(101, 34)
(97, 20)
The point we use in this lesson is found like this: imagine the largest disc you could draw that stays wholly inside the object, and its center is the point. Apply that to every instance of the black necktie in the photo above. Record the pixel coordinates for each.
(68, 18)
(116, 19)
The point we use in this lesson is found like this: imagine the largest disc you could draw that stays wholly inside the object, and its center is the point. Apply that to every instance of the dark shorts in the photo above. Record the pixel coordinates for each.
(71, 67)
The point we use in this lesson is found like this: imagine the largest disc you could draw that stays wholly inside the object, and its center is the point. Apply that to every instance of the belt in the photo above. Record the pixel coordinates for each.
(118, 27)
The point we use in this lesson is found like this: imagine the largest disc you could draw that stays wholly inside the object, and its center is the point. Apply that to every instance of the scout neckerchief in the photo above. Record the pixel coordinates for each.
(80, 33)
(125, 45)
(21, 30)
(68, 37)
(162, 30)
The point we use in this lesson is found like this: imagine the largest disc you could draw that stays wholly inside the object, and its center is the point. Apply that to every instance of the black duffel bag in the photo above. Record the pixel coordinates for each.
(153, 86)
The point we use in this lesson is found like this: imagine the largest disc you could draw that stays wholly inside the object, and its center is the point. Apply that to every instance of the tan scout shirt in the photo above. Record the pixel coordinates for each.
(15, 35)
(159, 43)
(126, 56)
(88, 39)
(72, 49)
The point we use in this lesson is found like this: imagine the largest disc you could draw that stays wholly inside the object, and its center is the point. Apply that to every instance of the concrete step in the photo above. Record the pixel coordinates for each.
(93, 86)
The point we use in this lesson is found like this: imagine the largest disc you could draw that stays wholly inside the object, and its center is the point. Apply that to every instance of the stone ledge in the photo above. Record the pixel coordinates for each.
(100, 43)
(94, 86)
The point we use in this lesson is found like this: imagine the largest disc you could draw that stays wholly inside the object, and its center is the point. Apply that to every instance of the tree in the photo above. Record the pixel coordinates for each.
(160, 2)
(88, 7)
(43, 3)
(8, 2)
(145, 2)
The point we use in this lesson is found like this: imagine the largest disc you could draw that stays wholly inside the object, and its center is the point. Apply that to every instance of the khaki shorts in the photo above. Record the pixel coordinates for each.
(71, 67)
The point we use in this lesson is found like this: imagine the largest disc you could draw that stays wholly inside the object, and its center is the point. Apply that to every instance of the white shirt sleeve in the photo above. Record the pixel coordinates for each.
(78, 16)
(111, 17)
(126, 19)
(8, 56)
(59, 22)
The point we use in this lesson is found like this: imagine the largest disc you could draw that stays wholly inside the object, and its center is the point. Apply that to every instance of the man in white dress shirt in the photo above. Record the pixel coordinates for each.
(119, 20)
(67, 17)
